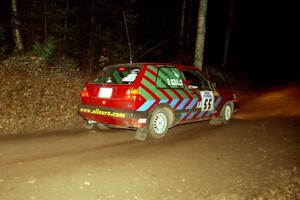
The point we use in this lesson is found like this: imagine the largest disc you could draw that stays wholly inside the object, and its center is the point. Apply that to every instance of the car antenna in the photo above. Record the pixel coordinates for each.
(129, 44)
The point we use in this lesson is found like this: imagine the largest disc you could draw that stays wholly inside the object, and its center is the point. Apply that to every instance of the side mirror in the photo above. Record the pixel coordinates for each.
(213, 85)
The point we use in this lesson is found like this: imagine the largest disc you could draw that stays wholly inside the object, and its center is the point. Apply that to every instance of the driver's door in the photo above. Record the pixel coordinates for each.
(200, 90)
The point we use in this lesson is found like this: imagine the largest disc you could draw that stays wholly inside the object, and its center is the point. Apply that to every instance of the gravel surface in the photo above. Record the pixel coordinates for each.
(36, 95)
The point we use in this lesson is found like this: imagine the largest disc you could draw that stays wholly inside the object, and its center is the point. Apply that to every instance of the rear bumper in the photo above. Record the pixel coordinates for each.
(115, 117)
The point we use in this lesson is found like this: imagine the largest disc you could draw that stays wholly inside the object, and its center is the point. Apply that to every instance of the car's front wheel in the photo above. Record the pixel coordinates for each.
(159, 122)
(227, 112)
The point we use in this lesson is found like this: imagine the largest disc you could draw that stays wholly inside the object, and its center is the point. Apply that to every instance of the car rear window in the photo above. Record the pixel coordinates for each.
(118, 75)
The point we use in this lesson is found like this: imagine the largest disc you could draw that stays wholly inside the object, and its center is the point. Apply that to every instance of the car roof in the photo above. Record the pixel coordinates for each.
(152, 63)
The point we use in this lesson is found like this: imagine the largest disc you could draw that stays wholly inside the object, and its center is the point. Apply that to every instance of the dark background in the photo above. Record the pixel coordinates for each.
(262, 42)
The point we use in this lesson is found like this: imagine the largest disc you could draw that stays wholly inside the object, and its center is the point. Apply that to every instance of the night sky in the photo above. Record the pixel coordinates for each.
(263, 36)
(263, 40)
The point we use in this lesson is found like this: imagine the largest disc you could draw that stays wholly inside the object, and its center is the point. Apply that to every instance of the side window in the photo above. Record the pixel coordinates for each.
(195, 80)
(169, 78)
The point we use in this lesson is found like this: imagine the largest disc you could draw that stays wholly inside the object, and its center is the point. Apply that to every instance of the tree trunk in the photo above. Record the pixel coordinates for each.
(227, 34)
(16, 26)
(200, 40)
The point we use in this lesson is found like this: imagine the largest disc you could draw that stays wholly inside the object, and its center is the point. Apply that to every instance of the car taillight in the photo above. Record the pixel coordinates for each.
(84, 92)
(132, 93)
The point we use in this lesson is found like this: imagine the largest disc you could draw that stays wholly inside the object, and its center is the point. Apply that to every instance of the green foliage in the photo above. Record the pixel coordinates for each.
(44, 50)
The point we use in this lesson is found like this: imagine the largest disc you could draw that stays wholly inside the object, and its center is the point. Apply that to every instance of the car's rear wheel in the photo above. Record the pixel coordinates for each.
(161, 119)
(226, 112)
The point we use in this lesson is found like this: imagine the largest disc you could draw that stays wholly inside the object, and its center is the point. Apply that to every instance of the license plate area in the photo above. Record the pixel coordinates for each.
(105, 93)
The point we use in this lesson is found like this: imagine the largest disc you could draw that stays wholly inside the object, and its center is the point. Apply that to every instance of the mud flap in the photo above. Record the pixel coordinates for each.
(216, 121)
(141, 134)
(89, 126)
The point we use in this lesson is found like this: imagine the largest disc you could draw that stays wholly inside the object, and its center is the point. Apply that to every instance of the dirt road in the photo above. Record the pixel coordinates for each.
(256, 156)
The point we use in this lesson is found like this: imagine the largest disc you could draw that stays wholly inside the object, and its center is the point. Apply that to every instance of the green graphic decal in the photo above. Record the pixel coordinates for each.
(144, 93)
(169, 78)
(164, 84)
(153, 89)
(152, 68)
(150, 76)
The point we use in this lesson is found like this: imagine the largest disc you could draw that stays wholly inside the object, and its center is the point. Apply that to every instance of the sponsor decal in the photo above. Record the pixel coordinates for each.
(174, 82)
(102, 112)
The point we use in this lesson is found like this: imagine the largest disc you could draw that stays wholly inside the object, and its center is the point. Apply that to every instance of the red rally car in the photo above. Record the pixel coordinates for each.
(152, 98)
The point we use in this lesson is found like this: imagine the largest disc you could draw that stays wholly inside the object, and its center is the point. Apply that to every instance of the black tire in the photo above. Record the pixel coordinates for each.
(226, 112)
(160, 120)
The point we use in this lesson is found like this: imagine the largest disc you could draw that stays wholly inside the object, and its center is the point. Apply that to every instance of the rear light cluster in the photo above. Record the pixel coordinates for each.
(132, 94)
(84, 92)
